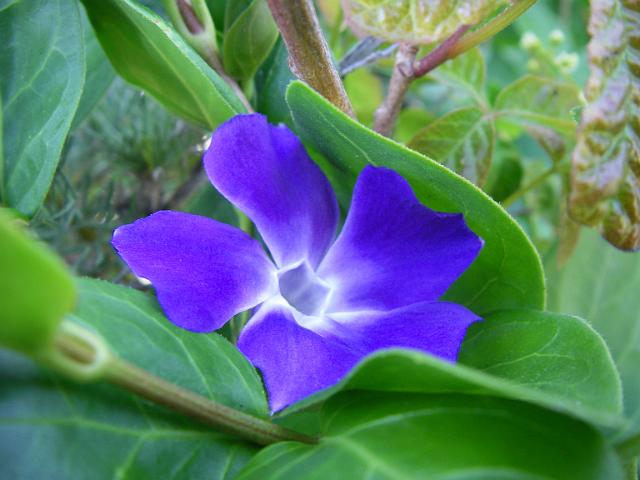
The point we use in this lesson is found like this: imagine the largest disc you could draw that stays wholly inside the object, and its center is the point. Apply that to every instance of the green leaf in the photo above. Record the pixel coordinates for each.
(404, 436)
(415, 21)
(99, 74)
(505, 177)
(602, 284)
(507, 274)
(539, 101)
(271, 84)
(555, 361)
(461, 140)
(249, 40)
(42, 65)
(112, 434)
(36, 290)
(466, 72)
(150, 54)
(136, 330)
(605, 174)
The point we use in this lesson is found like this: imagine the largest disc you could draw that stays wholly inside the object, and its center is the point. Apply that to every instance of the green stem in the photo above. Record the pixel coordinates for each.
(73, 346)
(309, 56)
(490, 29)
(507, 202)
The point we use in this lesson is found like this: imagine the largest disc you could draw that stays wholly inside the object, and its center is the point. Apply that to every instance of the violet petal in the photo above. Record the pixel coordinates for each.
(204, 272)
(393, 251)
(265, 171)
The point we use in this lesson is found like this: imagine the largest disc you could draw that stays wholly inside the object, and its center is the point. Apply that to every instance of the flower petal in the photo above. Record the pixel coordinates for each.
(437, 328)
(265, 171)
(295, 362)
(204, 272)
(393, 251)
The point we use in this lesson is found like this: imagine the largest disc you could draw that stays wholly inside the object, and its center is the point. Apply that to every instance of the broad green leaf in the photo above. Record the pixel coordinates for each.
(507, 274)
(271, 84)
(415, 21)
(553, 360)
(603, 285)
(467, 72)
(410, 121)
(36, 290)
(405, 436)
(150, 54)
(99, 74)
(42, 65)
(249, 40)
(62, 430)
(539, 101)
(605, 174)
(461, 140)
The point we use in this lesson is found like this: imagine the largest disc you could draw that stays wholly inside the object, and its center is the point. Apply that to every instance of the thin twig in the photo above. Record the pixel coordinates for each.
(401, 78)
(309, 56)
(440, 54)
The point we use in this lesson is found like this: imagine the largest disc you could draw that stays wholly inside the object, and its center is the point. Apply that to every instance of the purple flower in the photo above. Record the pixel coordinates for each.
(319, 305)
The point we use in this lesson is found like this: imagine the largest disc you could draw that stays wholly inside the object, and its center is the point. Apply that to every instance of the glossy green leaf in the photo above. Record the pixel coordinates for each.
(150, 54)
(539, 101)
(42, 65)
(461, 140)
(605, 173)
(415, 21)
(385, 436)
(249, 40)
(603, 285)
(553, 360)
(271, 84)
(36, 289)
(100, 429)
(507, 274)
(99, 74)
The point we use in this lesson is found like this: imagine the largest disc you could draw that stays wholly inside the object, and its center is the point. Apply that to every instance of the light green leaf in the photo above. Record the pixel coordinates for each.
(507, 274)
(249, 40)
(461, 140)
(415, 21)
(555, 361)
(603, 285)
(364, 89)
(539, 101)
(395, 436)
(42, 65)
(36, 290)
(99, 74)
(60, 430)
(150, 54)
(466, 72)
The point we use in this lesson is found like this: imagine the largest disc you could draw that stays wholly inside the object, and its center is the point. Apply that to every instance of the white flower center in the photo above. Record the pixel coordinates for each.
(303, 289)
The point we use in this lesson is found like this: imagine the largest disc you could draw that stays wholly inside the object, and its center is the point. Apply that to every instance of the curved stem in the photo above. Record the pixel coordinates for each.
(507, 202)
(147, 385)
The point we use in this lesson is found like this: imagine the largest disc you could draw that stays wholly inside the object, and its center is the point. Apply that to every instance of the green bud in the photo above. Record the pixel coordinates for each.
(529, 42)
(36, 290)
(566, 62)
(556, 37)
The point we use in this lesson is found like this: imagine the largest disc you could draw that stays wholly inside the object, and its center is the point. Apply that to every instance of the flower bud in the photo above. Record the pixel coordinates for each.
(556, 37)
(566, 62)
(529, 42)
